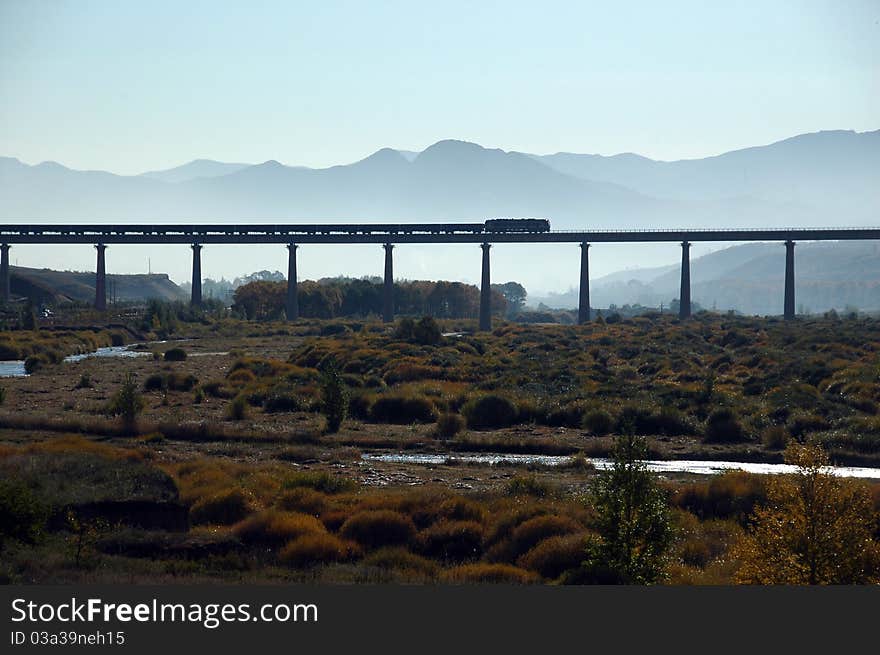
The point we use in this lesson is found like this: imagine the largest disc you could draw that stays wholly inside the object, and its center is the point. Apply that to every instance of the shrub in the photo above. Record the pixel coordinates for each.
(528, 485)
(723, 426)
(802, 424)
(598, 422)
(222, 508)
(312, 549)
(731, 495)
(127, 403)
(241, 376)
(274, 527)
(488, 573)
(554, 556)
(644, 421)
(490, 411)
(281, 402)
(400, 559)
(23, 514)
(461, 509)
(404, 329)
(377, 528)
(34, 363)
(85, 382)
(359, 405)
(449, 424)
(237, 409)
(452, 540)
(775, 437)
(530, 533)
(426, 331)
(319, 481)
(334, 398)
(303, 499)
(175, 355)
(117, 339)
(401, 409)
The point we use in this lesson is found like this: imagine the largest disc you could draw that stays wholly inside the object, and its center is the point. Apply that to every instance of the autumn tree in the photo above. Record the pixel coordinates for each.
(815, 528)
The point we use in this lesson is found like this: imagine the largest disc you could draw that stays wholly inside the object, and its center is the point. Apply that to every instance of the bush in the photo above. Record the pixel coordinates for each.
(334, 398)
(175, 355)
(426, 332)
(491, 411)
(274, 527)
(554, 556)
(315, 548)
(23, 514)
(452, 540)
(237, 409)
(775, 437)
(320, 481)
(731, 495)
(644, 421)
(449, 424)
(488, 573)
(598, 422)
(461, 509)
(528, 485)
(222, 508)
(530, 533)
(723, 426)
(34, 363)
(400, 409)
(377, 528)
(400, 559)
(127, 403)
(303, 499)
(404, 329)
(282, 402)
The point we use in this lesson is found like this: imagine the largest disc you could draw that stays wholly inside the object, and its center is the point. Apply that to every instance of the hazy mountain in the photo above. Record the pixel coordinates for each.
(195, 169)
(50, 287)
(822, 178)
(834, 171)
(749, 278)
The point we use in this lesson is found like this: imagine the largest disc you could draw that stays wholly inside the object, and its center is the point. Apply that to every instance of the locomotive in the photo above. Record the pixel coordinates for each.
(526, 225)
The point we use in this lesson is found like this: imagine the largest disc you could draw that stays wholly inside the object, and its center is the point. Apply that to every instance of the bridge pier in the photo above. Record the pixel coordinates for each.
(291, 304)
(101, 280)
(4, 273)
(584, 292)
(684, 297)
(388, 290)
(485, 292)
(196, 298)
(788, 303)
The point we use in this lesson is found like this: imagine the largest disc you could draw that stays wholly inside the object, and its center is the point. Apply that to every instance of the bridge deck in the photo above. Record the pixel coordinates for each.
(398, 233)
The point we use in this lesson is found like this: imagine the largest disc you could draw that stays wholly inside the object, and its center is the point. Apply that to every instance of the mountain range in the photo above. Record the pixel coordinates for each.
(821, 178)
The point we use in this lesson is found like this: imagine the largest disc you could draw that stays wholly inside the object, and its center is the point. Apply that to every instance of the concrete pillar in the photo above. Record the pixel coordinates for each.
(485, 292)
(4, 273)
(584, 295)
(196, 298)
(684, 297)
(788, 304)
(101, 280)
(388, 291)
(291, 305)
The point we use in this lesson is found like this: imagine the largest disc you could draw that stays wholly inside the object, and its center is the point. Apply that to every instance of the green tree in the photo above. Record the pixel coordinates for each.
(427, 332)
(127, 403)
(633, 519)
(815, 528)
(334, 397)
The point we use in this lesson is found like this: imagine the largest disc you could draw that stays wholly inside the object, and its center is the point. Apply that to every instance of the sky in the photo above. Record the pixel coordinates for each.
(133, 86)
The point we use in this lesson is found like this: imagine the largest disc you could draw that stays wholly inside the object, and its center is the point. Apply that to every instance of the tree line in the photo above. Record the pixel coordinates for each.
(337, 297)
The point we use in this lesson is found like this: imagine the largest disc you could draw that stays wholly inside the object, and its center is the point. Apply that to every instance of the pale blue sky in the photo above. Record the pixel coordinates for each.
(133, 86)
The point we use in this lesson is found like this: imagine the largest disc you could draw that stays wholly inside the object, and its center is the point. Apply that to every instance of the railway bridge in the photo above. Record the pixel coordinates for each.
(295, 235)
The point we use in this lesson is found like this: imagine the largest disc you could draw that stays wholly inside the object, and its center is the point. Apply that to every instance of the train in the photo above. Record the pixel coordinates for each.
(519, 225)
(491, 226)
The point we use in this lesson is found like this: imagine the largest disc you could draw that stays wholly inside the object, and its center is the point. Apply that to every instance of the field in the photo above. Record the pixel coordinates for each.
(223, 467)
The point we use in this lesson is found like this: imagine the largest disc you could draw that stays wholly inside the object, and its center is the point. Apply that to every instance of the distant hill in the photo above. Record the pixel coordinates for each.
(824, 178)
(749, 278)
(194, 170)
(45, 286)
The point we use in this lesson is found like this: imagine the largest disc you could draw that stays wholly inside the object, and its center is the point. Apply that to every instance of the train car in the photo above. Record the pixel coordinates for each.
(525, 225)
